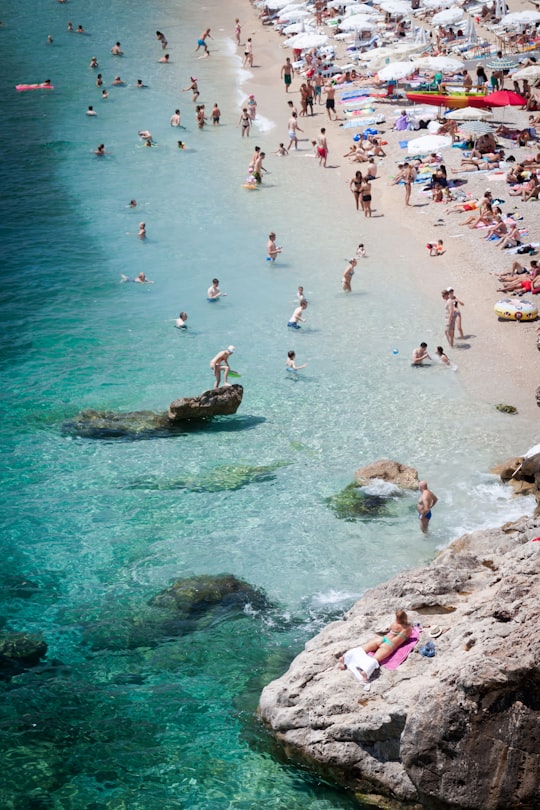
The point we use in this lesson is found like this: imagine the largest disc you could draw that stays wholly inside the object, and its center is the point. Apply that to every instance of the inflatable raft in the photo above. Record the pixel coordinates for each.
(514, 309)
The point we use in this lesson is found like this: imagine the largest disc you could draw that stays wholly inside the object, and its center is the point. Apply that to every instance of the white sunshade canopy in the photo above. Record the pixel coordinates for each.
(448, 16)
(396, 71)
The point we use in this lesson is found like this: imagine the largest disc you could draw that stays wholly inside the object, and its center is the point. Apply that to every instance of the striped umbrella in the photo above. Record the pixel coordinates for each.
(475, 128)
(501, 63)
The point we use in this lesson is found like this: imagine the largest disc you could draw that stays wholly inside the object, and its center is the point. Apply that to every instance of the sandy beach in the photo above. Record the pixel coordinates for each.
(497, 359)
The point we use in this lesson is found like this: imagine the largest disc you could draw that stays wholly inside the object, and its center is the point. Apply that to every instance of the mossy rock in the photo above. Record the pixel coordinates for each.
(196, 595)
(225, 478)
(506, 408)
(353, 504)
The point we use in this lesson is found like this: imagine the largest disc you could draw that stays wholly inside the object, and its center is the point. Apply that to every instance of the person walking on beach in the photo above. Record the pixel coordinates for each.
(356, 188)
(248, 53)
(366, 197)
(449, 318)
(409, 176)
(322, 147)
(293, 129)
(426, 502)
(237, 31)
(194, 87)
(457, 313)
(287, 73)
(330, 91)
(347, 275)
(220, 363)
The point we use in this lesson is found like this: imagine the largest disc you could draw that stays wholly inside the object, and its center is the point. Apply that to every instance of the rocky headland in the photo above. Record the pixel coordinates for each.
(458, 730)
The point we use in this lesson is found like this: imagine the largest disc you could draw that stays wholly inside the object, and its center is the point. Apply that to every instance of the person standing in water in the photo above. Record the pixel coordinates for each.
(271, 248)
(347, 275)
(426, 502)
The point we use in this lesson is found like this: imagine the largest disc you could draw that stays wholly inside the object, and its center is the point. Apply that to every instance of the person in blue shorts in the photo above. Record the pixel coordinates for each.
(426, 502)
(297, 315)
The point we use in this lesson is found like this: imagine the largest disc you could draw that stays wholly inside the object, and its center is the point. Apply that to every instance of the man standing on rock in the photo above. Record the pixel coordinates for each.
(426, 502)
(221, 363)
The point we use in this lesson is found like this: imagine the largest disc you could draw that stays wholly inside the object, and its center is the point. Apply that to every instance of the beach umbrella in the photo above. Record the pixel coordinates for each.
(470, 31)
(504, 98)
(518, 18)
(433, 4)
(501, 63)
(531, 72)
(306, 40)
(357, 23)
(475, 128)
(428, 143)
(294, 28)
(396, 71)
(421, 37)
(295, 14)
(500, 8)
(341, 3)
(361, 8)
(443, 63)
(470, 114)
(447, 17)
(274, 5)
(395, 7)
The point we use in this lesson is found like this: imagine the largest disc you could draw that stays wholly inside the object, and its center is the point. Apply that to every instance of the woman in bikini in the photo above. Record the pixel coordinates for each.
(356, 187)
(396, 635)
(366, 197)
(245, 122)
(382, 648)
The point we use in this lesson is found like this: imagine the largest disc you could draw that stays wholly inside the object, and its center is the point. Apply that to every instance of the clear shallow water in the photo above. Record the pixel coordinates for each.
(101, 526)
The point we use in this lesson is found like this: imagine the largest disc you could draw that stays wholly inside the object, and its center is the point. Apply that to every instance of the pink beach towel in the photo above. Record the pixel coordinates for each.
(399, 656)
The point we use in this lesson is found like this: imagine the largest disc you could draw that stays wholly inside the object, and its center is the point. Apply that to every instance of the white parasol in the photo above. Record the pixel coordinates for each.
(443, 63)
(273, 5)
(428, 143)
(306, 40)
(396, 7)
(531, 72)
(447, 17)
(517, 18)
(470, 31)
(294, 14)
(470, 114)
(475, 128)
(359, 22)
(433, 4)
(396, 71)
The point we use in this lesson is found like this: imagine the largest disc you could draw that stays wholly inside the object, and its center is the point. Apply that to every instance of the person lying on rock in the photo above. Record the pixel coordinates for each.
(382, 648)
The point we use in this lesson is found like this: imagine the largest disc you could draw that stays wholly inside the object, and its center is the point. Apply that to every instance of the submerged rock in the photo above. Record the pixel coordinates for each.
(459, 730)
(353, 503)
(506, 408)
(196, 595)
(18, 652)
(187, 605)
(92, 424)
(225, 478)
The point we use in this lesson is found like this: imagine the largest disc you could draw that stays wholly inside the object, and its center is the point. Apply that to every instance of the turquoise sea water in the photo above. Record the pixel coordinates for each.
(98, 527)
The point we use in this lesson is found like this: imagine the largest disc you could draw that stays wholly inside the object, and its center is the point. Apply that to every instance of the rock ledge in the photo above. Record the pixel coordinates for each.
(461, 729)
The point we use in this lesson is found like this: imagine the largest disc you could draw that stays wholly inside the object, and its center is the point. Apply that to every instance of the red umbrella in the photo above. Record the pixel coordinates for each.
(504, 98)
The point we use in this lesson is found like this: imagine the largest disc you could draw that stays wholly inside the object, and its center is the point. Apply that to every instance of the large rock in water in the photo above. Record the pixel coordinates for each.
(386, 470)
(91, 424)
(461, 729)
(18, 652)
(222, 401)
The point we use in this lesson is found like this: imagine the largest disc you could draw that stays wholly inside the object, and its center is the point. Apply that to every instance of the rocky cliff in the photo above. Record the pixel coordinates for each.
(460, 729)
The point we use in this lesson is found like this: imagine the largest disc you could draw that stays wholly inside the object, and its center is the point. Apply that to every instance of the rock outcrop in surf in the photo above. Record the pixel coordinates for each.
(92, 424)
(460, 729)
